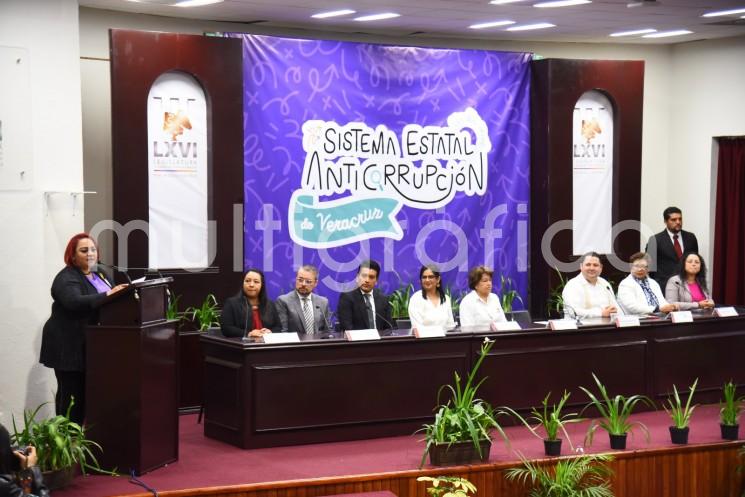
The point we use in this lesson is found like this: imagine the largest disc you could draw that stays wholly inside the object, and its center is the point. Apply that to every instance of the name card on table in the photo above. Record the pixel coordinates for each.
(505, 326)
(429, 331)
(725, 312)
(681, 317)
(562, 324)
(358, 335)
(626, 321)
(281, 338)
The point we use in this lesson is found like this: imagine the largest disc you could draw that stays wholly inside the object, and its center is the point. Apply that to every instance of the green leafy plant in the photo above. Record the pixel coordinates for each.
(448, 486)
(399, 301)
(550, 418)
(172, 311)
(60, 442)
(507, 293)
(615, 412)
(679, 413)
(555, 302)
(455, 299)
(206, 314)
(464, 417)
(730, 406)
(583, 476)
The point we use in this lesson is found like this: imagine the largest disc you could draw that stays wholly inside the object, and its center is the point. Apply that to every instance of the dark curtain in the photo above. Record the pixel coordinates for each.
(729, 230)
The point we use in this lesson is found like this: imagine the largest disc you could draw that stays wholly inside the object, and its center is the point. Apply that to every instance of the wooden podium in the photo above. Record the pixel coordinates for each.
(132, 380)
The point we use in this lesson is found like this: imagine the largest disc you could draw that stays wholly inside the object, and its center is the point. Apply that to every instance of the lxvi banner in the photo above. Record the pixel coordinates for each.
(406, 155)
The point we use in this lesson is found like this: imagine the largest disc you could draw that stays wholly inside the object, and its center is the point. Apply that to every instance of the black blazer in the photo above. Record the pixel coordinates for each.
(665, 256)
(75, 306)
(352, 311)
(235, 320)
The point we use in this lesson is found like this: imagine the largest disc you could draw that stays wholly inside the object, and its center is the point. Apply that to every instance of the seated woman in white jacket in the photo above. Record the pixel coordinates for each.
(480, 307)
(640, 294)
(431, 307)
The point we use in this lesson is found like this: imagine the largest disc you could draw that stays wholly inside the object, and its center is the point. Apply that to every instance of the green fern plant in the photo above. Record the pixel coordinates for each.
(60, 442)
(731, 405)
(583, 476)
(550, 418)
(679, 413)
(172, 311)
(205, 315)
(555, 302)
(508, 293)
(448, 486)
(399, 301)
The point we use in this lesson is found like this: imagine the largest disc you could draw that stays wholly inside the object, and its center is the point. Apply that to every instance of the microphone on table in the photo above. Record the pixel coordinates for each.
(391, 326)
(329, 330)
(574, 311)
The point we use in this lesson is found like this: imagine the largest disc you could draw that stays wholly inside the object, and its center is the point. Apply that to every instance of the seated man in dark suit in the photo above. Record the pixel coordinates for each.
(669, 246)
(302, 311)
(365, 307)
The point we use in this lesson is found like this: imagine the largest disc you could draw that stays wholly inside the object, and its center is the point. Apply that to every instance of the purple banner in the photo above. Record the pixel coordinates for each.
(404, 155)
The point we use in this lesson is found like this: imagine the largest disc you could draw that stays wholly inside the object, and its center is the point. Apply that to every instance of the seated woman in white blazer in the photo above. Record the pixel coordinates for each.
(640, 294)
(688, 287)
(431, 307)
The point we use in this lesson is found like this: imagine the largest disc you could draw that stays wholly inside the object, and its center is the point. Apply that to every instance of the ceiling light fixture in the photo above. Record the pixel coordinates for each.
(724, 12)
(560, 3)
(526, 27)
(333, 13)
(492, 24)
(196, 3)
(377, 17)
(665, 34)
(634, 32)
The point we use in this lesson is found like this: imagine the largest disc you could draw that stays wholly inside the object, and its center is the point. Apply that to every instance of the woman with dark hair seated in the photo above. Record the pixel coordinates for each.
(688, 287)
(19, 474)
(250, 312)
(431, 307)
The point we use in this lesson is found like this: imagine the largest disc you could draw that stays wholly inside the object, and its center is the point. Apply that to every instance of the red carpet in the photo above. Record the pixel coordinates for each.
(204, 462)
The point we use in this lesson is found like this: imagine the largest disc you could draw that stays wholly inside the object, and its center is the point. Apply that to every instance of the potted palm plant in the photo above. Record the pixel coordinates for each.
(448, 486)
(680, 414)
(399, 301)
(555, 302)
(552, 420)
(61, 445)
(730, 408)
(460, 431)
(206, 315)
(577, 476)
(615, 413)
(507, 293)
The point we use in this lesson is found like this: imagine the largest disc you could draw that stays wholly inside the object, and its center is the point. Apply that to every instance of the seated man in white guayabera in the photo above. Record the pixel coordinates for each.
(640, 294)
(587, 295)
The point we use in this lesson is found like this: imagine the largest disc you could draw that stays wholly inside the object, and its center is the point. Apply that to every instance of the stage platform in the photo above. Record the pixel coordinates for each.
(704, 468)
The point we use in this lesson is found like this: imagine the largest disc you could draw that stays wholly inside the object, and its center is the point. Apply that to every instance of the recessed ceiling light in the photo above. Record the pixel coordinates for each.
(665, 34)
(195, 3)
(635, 32)
(333, 13)
(561, 3)
(503, 2)
(526, 27)
(724, 12)
(492, 24)
(377, 17)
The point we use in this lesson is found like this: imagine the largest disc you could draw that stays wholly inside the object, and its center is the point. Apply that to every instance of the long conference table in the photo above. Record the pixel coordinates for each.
(323, 390)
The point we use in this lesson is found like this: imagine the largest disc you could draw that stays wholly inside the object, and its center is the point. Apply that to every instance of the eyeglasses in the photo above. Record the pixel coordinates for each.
(306, 281)
(429, 277)
(640, 266)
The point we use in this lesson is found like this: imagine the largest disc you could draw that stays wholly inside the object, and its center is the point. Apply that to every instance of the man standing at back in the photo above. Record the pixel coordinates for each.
(667, 247)
(302, 311)
(365, 307)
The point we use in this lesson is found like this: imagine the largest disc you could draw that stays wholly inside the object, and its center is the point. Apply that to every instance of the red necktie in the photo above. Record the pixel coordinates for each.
(676, 246)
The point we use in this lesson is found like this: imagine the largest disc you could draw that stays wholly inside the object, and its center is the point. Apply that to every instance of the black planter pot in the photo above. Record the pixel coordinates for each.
(679, 435)
(730, 432)
(58, 478)
(458, 453)
(552, 447)
(618, 442)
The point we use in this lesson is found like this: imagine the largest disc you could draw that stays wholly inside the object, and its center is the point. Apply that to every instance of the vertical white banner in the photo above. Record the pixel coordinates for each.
(177, 173)
(592, 173)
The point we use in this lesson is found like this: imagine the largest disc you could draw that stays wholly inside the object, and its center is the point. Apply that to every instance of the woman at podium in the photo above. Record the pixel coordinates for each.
(250, 312)
(77, 292)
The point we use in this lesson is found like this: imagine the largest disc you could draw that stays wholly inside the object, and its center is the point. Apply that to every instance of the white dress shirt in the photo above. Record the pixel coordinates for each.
(632, 299)
(587, 300)
(475, 312)
(423, 312)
